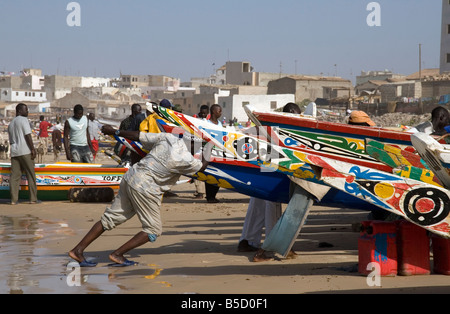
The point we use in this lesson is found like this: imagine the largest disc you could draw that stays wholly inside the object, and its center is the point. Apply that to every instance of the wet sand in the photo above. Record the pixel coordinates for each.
(197, 253)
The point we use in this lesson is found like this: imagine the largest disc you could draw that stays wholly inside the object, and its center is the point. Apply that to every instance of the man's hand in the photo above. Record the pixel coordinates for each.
(108, 130)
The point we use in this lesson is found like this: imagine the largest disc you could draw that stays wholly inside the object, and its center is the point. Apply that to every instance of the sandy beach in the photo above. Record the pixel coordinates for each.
(197, 253)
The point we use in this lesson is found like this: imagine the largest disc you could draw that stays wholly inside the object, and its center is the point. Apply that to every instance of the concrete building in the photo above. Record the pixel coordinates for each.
(145, 84)
(445, 38)
(58, 86)
(377, 76)
(405, 91)
(232, 98)
(17, 95)
(311, 87)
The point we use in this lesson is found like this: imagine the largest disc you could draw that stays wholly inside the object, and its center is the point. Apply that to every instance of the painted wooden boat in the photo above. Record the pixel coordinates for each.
(421, 203)
(55, 180)
(329, 139)
(252, 177)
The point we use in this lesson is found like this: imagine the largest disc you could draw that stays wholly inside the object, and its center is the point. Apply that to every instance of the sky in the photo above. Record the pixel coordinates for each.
(186, 39)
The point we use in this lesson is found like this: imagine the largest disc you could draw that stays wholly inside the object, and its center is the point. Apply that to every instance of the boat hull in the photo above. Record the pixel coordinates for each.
(54, 181)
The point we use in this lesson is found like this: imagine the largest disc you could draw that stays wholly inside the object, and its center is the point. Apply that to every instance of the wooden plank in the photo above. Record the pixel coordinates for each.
(286, 230)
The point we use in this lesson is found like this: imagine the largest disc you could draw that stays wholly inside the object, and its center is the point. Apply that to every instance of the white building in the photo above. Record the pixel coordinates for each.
(233, 105)
(15, 95)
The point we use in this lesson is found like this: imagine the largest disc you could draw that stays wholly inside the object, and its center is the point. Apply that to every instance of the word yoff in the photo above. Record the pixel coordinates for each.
(74, 17)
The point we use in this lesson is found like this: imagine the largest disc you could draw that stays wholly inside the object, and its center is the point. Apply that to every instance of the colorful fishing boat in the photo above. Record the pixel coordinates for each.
(252, 178)
(419, 202)
(329, 139)
(54, 181)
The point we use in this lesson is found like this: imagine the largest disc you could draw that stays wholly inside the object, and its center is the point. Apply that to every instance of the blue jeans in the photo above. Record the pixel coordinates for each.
(81, 154)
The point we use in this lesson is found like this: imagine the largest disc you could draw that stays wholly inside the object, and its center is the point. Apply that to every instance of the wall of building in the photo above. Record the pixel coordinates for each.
(232, 106)
(396, 91)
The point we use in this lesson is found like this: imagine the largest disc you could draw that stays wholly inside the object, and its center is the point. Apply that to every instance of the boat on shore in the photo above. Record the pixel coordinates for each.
(54, 181)
(339, 141)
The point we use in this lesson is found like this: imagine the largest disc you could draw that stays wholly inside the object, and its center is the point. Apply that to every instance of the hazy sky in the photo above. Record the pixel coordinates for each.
(182, 38)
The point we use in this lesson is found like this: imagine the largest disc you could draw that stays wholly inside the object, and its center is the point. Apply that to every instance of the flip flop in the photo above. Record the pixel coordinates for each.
(124, 264)
(86, 263)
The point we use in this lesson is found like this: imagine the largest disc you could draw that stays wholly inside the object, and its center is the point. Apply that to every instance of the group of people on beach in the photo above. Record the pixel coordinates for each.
(148, 178)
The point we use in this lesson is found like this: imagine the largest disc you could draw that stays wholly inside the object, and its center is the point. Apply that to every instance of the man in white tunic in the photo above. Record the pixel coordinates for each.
(141, 190)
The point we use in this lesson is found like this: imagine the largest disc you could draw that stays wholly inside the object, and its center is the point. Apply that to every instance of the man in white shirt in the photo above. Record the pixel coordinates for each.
(22, 155)
(77, 141)
(141, 190)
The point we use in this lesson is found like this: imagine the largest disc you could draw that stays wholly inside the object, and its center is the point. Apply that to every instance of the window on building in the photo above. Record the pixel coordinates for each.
(273, 105)
(448, 57)
(448, 28)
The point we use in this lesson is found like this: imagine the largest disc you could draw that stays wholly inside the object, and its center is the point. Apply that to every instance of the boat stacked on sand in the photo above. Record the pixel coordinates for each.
(57, 181)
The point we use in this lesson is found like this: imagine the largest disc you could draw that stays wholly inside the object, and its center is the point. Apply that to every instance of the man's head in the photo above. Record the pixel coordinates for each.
(440, 118)
(22, 110)
(292, 108)
(204, 111)
(78, 111)
(91, 116)
(135, 109)
(41, 118)
(216, 111)
(166, 104)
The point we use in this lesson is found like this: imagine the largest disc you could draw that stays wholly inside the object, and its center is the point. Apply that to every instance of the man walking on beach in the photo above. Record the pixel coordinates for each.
(141, 190)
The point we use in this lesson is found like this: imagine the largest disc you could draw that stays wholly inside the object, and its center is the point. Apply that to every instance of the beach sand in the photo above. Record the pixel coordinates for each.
(197, 253)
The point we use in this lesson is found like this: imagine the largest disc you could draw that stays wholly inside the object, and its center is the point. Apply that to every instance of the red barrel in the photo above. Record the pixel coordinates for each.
(413, 246)
(441, 255)
(378, 244)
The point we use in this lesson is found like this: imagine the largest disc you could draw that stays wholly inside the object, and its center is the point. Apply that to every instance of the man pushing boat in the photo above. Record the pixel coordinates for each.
(141, 190)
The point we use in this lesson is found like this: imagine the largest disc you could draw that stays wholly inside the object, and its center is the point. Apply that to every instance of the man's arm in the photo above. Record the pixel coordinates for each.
(206, 156)
(29, 141)
(66, 141)
(131, 135)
